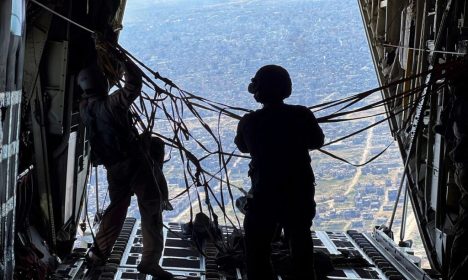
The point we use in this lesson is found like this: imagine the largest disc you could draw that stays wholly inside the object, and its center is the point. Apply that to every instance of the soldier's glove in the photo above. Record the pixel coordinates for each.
(132, 74)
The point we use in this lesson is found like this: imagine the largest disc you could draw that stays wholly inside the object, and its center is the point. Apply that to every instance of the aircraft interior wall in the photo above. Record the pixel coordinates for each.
(407, 38)
(12, 29)
(45, 157)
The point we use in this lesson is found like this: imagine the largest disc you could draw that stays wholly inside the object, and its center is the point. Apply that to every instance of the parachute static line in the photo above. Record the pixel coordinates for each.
(175, 118)
(193, 169)
(185, 101)
(421, 50)
(215, 106)
(182, 101)
(62, 16)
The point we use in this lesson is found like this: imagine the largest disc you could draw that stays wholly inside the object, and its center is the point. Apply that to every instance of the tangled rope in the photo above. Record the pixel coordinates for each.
(162, 101)
(175, 103)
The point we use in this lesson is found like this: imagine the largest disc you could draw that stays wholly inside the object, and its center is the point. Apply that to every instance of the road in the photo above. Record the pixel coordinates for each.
(358, 173)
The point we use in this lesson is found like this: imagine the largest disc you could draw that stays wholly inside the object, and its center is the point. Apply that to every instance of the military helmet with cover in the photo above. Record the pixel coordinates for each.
(92, 81)
(271, 84)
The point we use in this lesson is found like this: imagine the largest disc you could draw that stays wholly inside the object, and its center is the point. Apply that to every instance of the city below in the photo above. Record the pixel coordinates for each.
(212, 49)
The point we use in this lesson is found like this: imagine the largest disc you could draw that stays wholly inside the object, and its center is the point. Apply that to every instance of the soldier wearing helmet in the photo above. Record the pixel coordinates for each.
(115, 144)
(278, 137)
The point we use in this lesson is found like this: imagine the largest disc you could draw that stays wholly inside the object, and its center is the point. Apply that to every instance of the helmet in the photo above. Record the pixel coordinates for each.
(92, 81)
(271, 84)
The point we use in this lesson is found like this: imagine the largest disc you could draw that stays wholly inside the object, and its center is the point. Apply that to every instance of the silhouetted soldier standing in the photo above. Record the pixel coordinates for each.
(114, 143)
(279, 137)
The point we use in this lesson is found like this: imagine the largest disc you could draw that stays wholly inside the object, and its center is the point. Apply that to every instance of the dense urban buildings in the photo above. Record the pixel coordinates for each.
(212, 48)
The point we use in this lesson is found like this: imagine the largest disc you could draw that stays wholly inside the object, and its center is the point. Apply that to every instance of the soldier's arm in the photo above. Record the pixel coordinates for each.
(124, 97)
(239, 139)
(314, 134)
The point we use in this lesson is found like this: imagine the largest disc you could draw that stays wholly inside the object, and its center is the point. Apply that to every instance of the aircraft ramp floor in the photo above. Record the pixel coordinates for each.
(354, 256)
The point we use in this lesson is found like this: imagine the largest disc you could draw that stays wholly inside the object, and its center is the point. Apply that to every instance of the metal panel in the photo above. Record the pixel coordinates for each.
(132, 273)
(414, 29)
(178, 254)
(81, 178)
(10, 98)
(11, 58)
(55, 55)
(70, 179)
(435, 168)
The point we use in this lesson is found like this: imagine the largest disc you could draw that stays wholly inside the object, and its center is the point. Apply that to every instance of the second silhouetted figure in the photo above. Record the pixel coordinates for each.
(279, 137)
(115, 143)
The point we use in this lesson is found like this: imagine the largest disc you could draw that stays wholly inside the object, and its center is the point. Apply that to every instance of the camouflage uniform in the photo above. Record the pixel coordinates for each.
(115, 144)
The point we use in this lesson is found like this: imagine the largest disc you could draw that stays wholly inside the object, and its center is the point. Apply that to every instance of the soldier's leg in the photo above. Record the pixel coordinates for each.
(149, 204)
(297, 226)
(301, 248)
(162, 186)
(114, 216)
(152, 228)
(259, 230)
(162, 183)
